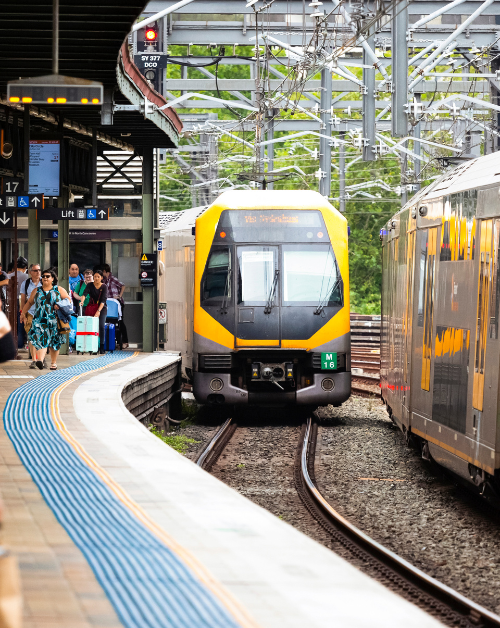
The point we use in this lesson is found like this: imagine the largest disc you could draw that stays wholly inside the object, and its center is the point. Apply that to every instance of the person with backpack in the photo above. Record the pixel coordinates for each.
(79, 289)
(32, 283)
(75, 276)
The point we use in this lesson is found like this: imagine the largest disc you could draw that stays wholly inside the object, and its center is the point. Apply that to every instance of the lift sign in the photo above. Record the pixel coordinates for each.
(328, 361)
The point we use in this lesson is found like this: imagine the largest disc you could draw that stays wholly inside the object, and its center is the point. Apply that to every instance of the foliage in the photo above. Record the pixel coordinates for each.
(179, 442)
(366, 216)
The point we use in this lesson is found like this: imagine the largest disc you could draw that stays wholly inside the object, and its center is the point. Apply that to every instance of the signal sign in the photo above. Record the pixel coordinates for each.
(148, 38)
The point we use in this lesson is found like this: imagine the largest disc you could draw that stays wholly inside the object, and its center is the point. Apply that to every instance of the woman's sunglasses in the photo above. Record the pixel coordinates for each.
(46, 276)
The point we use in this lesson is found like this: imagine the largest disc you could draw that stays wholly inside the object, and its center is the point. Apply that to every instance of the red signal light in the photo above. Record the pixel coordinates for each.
(151, 34)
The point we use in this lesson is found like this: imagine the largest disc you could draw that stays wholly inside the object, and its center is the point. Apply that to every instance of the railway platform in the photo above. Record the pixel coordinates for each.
(111, 527)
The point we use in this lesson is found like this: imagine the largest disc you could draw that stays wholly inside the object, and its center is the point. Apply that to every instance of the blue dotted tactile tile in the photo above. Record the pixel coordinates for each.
(147, 583)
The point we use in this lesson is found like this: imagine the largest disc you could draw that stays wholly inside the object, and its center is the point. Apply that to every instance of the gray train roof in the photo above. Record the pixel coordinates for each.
(473, 174)
(180, 220)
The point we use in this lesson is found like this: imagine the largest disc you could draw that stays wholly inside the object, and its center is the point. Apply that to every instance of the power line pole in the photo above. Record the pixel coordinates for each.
(399, 117)
(342, 173)
(369, 124)
(325, 149)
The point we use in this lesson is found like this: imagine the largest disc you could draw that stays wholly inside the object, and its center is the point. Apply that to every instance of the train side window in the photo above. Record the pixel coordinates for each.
(422, 277)
(217, 280)
(495, 283)
(459, 227)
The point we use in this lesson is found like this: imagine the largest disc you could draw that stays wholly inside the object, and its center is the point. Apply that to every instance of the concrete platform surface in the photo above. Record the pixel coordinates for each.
(168, 544)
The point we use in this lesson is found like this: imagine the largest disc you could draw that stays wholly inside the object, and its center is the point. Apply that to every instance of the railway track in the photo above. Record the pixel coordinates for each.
(365, 355)
(439, 600)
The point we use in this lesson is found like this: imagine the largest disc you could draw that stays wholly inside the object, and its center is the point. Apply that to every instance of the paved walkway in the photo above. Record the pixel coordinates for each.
(59, 588)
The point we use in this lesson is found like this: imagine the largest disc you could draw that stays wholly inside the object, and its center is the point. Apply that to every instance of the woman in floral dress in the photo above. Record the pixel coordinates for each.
(44, 333)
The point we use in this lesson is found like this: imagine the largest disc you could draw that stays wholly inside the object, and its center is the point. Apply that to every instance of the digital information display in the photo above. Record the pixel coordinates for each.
(270, 218)
(45, 167)
(271, 225)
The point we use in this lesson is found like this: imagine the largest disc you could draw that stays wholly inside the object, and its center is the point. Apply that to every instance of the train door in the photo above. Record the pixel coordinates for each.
(483, 323)
(426, 248)
(408, 325)
(257, 296)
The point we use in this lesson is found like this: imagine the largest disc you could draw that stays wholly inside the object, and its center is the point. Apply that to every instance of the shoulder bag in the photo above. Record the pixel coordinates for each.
(62, 327)
(92, 308)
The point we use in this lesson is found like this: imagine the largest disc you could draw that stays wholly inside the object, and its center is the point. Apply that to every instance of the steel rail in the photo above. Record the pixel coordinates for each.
(210, 447)
(440, 591)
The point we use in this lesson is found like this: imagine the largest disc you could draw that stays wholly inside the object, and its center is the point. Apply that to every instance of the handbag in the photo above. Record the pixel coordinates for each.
(92, 308)
(62, 327)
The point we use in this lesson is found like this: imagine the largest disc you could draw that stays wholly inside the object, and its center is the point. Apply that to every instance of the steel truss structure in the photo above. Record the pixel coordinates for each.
(423, 74)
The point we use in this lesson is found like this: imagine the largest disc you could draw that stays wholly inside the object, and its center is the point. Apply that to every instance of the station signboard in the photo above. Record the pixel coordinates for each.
(151, 61)
(45, 166)
(10, 202)
(63, 213)
(148, 275)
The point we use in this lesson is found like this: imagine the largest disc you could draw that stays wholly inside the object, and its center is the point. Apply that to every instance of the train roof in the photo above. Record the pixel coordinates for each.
(482, 172)
(272, 199)
(180, 220)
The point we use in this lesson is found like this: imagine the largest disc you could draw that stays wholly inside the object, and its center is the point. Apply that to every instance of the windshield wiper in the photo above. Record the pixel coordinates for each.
(323, 302)
(270, 299)
(225, 296)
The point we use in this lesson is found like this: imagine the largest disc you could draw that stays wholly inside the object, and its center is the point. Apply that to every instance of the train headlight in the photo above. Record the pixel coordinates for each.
(289, 370)
(216, 384)
(327, 384)
(255, 370)
(267, 372)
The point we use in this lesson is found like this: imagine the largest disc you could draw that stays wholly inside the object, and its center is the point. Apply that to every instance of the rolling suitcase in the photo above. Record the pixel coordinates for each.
(109, 337)
(87, 334)
(113, 317)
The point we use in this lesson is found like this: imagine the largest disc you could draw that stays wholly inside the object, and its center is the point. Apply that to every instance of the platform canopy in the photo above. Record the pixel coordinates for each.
(93, 46)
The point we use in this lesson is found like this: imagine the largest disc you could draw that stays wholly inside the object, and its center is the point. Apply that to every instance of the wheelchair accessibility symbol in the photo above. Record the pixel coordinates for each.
(91, 214)
(23, 201)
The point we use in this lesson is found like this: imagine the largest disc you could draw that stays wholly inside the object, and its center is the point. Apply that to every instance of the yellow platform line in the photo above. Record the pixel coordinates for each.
(225, 597)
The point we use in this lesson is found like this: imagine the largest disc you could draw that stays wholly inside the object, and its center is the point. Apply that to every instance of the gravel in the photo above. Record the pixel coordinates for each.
(411, 506)
(258, 462)
(367, 473)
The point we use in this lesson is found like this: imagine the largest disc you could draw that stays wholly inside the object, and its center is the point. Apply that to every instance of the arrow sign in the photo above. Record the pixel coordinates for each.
(63, 213)
(6, 218)
(21, 201)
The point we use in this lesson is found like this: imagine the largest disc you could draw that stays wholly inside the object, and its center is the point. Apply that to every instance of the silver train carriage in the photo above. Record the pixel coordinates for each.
(440, 345)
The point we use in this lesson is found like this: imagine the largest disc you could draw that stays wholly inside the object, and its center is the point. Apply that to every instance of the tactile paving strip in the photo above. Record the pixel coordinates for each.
(147, 583)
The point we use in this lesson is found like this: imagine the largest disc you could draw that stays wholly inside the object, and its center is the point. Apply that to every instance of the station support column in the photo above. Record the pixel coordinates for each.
(34, 232)
(148, 294)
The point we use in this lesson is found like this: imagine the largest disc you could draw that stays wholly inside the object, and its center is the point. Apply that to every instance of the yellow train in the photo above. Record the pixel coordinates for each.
(271, 300)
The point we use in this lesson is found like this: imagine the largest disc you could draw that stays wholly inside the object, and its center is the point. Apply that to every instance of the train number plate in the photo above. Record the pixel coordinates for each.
(328, 361)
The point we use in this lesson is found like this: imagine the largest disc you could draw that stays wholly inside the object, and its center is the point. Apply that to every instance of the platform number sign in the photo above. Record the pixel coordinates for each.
(328, 361)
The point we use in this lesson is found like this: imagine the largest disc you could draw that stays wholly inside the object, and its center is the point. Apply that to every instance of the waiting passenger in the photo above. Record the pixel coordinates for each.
(115, 291)
(97, 306)
(32, 283)
(44, 333)
(74, 276)
(7, 348)
(88, 277)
